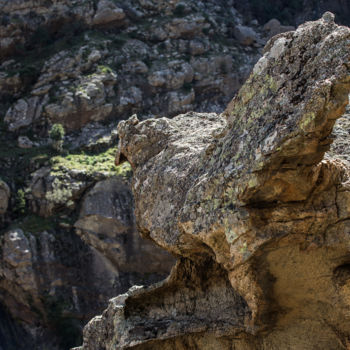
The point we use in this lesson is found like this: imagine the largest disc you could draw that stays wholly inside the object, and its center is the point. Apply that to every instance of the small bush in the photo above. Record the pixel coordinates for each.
(105, 69)
(56, 132)
(20, 206)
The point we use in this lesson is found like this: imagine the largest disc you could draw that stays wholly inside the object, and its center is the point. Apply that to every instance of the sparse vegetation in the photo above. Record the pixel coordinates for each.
(91, 163)
(56, 134)
(20, 206)
(105, 69)
(34, 223)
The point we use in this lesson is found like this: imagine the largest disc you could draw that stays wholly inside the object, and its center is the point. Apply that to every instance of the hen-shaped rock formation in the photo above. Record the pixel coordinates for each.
(260, 223)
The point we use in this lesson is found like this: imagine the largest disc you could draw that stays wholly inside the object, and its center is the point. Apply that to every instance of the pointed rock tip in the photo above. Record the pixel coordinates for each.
(328, 17)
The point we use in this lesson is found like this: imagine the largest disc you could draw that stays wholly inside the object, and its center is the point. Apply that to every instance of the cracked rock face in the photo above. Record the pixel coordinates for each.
(258, 220)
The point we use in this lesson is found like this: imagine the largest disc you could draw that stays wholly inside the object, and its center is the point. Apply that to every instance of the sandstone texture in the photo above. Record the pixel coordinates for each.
(256, 213)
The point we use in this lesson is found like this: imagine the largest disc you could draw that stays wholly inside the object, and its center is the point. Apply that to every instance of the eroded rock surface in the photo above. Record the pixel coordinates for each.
(4, 197)
(259, 221)
(79, 62)
(107, 223)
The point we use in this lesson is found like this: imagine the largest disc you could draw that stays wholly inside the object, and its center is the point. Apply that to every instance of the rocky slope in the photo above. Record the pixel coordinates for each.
(68, 235)
(111, 59)
(256, 215)
(292, 12)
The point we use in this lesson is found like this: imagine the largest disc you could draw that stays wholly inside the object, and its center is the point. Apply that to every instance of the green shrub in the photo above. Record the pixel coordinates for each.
(56, 134)
(20, 205)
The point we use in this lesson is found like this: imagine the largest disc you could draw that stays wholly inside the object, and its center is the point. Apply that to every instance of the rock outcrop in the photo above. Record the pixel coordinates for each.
(60, 263)
(106, 223)
(258, 217)
(87, 65)
(52, 282)
(4, 197)
(102, 61)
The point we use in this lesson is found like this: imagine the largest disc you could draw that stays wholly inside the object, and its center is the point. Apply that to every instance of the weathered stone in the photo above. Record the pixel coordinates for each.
(196, 47)
(21, 19)
(69, 81)
(259, 221)
(186, 27)
(245, 35)
(23, 113)
(4, 197)
(17, 269)
(107, 13)
(107, 224)
(24, 142)
(274, 27)
(88, 102)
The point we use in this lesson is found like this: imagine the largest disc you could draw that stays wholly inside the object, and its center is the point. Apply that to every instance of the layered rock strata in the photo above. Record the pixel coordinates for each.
(258, 217)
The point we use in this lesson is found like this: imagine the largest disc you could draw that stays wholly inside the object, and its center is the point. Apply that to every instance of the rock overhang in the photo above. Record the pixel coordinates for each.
(246, 196)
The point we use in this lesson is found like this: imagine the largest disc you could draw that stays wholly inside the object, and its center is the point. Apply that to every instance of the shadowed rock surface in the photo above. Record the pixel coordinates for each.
(258, 220)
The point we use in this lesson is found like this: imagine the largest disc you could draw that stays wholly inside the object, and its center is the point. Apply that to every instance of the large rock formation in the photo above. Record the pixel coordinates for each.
(104, 60)
(52, 282)
(68, 239)
(258, 220)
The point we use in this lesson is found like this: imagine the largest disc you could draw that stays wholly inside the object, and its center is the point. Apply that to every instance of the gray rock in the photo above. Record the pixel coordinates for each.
(196, 48)
(4, 197)
(23, 113)
(185, 27)
(24, 142)
(106, 223)
(245, 35)
(274, 27)
(247, 202)
(107, 12)
(17, 262)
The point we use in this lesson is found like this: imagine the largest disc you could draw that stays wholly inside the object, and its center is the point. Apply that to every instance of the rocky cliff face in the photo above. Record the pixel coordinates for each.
(57, 274)
(68, 237)
(104, 60)
(292, 12)
(256, 213)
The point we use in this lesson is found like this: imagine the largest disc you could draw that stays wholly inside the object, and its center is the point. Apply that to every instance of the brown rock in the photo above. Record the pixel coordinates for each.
(4, 197)
(258, 220)
(107, 224)
(107, 13)
(245, 35)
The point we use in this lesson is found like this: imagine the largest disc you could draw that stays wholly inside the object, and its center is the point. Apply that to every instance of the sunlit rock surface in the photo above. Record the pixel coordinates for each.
(258, 220)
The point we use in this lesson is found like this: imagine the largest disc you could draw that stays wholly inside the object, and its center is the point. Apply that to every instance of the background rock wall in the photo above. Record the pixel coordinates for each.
(69, 240)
